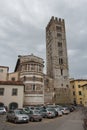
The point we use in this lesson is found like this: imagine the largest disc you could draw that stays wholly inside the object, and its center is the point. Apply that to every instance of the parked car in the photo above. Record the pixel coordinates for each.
(17, 116)
(65, 110)
(50, 113)
(25, 110)
(43, 112)
(71, 108)
(57, 109)
(2, 110)
(34, 115)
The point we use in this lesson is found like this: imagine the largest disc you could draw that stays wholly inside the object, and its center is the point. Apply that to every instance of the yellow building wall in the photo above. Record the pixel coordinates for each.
(76, 88)
(84, 88)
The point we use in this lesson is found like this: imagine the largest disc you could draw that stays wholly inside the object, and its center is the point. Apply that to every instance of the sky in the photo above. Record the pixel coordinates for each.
(22, 31)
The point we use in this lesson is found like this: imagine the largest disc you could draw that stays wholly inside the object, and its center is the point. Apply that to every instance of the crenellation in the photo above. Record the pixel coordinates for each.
(55, 20)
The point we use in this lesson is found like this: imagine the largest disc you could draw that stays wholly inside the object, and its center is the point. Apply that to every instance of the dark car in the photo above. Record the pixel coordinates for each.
(34, 115)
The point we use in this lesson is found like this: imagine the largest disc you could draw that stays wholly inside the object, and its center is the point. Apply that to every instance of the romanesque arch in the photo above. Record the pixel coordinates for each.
(13, 105)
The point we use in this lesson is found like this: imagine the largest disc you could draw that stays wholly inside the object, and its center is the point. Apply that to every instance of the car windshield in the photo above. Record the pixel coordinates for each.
(26, 110)
(1, 108)
(19, 112)
(50, 109)
(36, 112)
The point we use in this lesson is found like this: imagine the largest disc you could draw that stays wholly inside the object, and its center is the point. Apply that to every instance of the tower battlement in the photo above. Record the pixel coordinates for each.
(56, 21)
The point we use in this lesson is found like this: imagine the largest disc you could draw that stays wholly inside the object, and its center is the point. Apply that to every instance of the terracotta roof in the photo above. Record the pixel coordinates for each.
(84, 85)
(78, 80)
(4, 66)
(11, 83)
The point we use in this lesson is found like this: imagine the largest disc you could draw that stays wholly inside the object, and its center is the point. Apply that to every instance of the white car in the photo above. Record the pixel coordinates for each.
(2, 110)
(65, 110)
(59, 111)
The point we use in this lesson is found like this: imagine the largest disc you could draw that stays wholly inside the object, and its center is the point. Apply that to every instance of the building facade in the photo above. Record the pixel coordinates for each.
(30, 70)
(57, 59)
(4, 73)
(77, 91)
(11, 94)
(48, 90)
(54, 87)
(14, 76)
(84, 90)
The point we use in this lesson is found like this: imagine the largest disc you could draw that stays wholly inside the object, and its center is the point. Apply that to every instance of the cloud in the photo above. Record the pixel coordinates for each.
(22, 30)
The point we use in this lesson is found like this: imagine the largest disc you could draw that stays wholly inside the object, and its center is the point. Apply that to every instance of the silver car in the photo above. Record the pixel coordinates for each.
(2, 110)
(17, 116)
(50, 113)
(65, 110)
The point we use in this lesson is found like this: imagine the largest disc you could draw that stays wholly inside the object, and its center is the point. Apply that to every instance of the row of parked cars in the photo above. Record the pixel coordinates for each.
(37, 113)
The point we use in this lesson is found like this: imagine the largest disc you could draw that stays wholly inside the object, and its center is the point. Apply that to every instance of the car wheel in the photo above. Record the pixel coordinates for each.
(7, 119)
(40, 119)
(32, 119)
(15, 120)
(27, 121)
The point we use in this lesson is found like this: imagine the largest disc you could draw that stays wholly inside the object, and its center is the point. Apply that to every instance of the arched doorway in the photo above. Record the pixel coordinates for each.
(13, 105)
(1, 104)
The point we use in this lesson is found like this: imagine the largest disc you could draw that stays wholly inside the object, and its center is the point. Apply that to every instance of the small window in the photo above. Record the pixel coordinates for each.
(73, 86)
(1, 70)
(40, 69)
(61, 84)
(13, 79)
(80, 102)
(33, 87)
(61, 71)
(34, 78)
(59, 35)
(32, 67)
(79, 86)
(14, 91)
(80, 93)
(74, 93)
(67, 86)
(58, 28)
(1, 91)
(60, 61)
(24, 78)
(59, 44)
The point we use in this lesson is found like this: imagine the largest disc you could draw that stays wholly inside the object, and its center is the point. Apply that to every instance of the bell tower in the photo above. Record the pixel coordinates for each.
(57, 59)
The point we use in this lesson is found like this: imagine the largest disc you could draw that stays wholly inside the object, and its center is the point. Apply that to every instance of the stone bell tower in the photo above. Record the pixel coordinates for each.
(57, 59)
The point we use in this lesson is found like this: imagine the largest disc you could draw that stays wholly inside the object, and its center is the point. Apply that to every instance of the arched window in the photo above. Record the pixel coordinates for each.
(13, 105)
(1, 104)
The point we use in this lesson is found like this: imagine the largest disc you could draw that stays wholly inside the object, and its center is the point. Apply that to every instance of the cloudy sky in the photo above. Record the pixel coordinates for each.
(22, 31)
